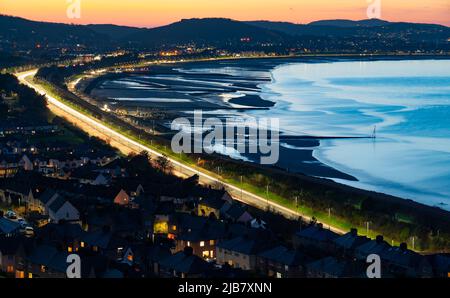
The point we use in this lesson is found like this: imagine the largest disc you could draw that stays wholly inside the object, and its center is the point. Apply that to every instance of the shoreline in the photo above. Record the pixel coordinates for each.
(312, 165)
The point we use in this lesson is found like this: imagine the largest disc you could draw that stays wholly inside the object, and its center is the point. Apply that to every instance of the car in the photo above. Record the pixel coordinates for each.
(29, 231)
(22, 222)
(11, 214)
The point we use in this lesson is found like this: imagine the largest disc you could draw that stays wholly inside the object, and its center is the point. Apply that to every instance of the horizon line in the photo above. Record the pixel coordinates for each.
(196, 18)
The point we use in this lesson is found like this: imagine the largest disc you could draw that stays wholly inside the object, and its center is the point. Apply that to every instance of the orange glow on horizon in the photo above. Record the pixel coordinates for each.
(144, 13)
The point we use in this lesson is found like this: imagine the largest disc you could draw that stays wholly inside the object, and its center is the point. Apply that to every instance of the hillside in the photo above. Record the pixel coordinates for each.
(207, 31)
(321, 36)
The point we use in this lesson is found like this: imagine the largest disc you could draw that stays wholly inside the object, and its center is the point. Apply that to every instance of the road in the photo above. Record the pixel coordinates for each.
(126, 145)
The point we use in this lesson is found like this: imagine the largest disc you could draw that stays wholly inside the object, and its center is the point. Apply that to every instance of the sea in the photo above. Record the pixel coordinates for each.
(404, 104)
(399, 108)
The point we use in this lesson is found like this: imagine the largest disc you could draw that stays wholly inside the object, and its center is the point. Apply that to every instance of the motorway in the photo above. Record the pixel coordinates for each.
(126, 145)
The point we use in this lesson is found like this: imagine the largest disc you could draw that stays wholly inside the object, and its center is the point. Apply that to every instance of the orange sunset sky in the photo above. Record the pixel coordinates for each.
(151, 13)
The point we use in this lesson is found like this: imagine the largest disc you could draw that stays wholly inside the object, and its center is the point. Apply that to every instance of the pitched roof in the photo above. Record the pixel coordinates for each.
(211, 230)
(350, 240)
(46, 196)
(100, 238)
(243, 245)
(57, 204)
(331, 266)
(372, 247)
(8, 226)
(213, 202)
(61, 231)
(402, 257)
(185, 263)
(235, 211)
(283, 255)
(317, 233)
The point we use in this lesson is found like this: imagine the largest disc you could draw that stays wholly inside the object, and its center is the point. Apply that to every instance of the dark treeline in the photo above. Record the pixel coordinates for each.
(26, 104)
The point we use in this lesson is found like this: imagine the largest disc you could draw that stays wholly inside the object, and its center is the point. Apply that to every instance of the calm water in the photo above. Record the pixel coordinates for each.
(408, 102)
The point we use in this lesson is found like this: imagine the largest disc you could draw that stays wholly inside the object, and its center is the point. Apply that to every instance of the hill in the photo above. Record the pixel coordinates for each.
(210, 31)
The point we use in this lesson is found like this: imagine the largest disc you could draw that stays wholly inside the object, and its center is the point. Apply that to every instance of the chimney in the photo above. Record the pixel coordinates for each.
(380, 239)
(403, 246)
(188, 251)
(354, 232)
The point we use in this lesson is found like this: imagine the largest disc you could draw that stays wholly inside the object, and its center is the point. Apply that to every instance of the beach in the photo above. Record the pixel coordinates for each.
(326, 131)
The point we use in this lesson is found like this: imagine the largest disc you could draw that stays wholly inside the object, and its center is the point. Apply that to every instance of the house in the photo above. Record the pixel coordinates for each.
(39, 201)
(240, 252)
(440, 264)
(331, 267)
(345, 245)
(13, 251)
(122, 198)
(115, 168)
(46, 261)
(211, 206)
(315, 237)
(405, 263)
(26, 163)
(184, 264)
(376, 246)
(54, 205)
(235, 212)
(202, 240)
(62, 210)
(88, 176)
(104, 242)
(258, 223)
(9, 166)
(281, 262)
(65, 235)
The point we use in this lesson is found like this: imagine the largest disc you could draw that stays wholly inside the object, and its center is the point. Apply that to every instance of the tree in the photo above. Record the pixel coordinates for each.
(163, 164)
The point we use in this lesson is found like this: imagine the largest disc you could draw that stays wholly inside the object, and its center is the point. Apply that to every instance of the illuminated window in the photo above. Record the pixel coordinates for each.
(10, 269)
(95, 248)
(202, 243)
(171, 236)
(188, 243)
(20, 274)
(205, 254)
(130, 257)
(82, 244)
(174, 228)
(161, 228)
(43, 269)
(30, 275)
(69, 249)
(211, 253)
(211, 242)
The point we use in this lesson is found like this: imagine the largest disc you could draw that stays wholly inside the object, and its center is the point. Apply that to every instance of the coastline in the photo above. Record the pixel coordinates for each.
(311, 163)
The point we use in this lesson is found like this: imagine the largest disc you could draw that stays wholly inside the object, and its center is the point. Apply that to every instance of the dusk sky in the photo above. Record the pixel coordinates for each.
(151, 13)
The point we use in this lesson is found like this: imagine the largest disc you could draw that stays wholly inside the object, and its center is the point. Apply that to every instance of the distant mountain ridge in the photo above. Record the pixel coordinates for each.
(350, 23)
(326, 35)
